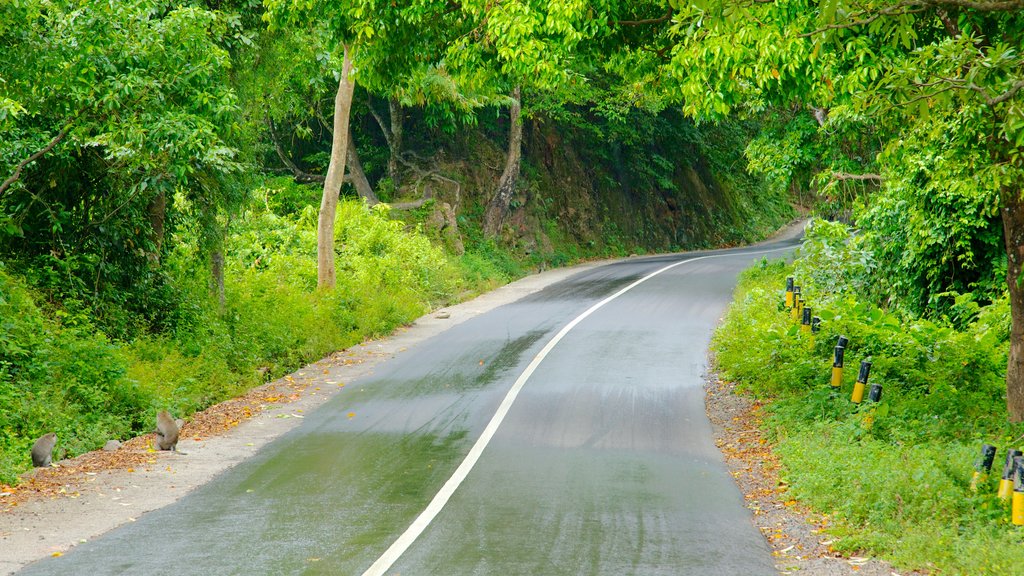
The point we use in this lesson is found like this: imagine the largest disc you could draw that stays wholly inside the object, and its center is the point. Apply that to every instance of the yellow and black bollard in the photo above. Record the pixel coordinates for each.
(795, 311)
(983, 466)
(862, 381)
(805, 324)
(875, 396)
(1017, 504)
(1006, 482)
(789, 292)
(842, 341)
(837, 368)
(815, 325)
(875, 393)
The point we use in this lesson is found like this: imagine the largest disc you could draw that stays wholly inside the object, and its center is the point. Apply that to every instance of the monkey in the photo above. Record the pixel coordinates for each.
(42, 450)
(166, 431)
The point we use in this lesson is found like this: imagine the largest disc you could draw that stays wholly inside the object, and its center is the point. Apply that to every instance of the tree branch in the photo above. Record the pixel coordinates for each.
(848, 176)
(301, 176)
(37, 155)
(1017, 86)
(663, 18)
(380, 122)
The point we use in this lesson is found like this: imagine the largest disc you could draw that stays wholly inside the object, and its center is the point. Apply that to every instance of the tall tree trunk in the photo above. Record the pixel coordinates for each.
(1013, 232)
(356, 174)
(325, 272)
(157, 211)
(395, 143)
(217, 276)
(497, 208)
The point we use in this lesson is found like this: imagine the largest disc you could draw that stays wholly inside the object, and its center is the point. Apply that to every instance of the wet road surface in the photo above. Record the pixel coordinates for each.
(603, 462)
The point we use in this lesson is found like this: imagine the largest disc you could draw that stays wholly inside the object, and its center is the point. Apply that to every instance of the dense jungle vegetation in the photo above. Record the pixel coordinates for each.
(198, 196)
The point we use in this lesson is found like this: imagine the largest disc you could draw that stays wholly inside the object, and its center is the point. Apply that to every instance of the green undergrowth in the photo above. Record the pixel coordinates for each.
(59, 372)
(899, 486)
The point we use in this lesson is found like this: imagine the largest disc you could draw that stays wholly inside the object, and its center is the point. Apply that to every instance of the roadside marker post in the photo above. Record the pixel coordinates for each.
(1017, 504)
(862, 380)
(1006, 483)
(789, 292)
(795, 311)
(805, 325)
(983, 466)
(837, 368)
(815, 325)
(874, 396)
(875, 393)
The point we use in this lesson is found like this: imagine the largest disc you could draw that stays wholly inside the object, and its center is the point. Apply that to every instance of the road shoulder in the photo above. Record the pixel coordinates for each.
(798, 537)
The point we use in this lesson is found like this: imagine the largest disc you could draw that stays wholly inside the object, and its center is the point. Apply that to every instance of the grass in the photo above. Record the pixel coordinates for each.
(899, 488)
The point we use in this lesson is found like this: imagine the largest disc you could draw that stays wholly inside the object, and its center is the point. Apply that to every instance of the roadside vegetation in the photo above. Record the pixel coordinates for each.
(60, 370)
(894, 477)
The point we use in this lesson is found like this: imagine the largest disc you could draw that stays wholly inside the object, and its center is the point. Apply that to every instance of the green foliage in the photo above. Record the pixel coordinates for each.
(120, 105)
(833, 262)
(57, 375)
(898, 488)
(62, 374)
(936, 228)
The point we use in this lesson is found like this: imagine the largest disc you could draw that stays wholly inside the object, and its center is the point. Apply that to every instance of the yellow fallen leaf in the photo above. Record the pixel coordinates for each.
(57, 554)
(351, 415)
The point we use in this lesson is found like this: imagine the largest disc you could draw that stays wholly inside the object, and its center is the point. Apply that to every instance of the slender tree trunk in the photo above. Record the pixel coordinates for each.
(1013, 231)
(395, 143)
(217, 276)
(356, 174)
(157, 210)
(325, 272)
(497, 208)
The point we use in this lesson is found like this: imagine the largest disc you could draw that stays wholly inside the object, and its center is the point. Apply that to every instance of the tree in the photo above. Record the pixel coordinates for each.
(106, 110)
(895, 64)
(499, 203)
(335, 175)
(377, 38)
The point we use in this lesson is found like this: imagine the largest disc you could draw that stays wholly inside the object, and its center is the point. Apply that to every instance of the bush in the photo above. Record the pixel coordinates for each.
(56, 378)
(898, 488)
(62, 374)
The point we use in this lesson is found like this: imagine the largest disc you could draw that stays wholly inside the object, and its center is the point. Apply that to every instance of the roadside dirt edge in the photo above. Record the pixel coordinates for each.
(797, 535)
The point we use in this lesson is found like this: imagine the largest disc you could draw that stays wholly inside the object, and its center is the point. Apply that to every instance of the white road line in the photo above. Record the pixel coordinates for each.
(395, 551)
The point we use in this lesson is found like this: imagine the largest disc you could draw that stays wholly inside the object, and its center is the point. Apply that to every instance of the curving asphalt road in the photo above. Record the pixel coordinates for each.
(601, 461)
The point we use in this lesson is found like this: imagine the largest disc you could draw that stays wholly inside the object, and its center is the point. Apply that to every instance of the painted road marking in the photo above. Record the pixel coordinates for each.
(395, 551)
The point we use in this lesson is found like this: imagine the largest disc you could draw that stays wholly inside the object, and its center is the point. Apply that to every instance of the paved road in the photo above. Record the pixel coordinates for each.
(600, 462)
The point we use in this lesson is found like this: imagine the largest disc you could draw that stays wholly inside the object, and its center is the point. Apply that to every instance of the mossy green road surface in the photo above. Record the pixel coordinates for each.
(604, 463)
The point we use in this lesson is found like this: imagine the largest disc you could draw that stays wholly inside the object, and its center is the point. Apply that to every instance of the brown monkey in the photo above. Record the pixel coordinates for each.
(42, 450)
(166, 431)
